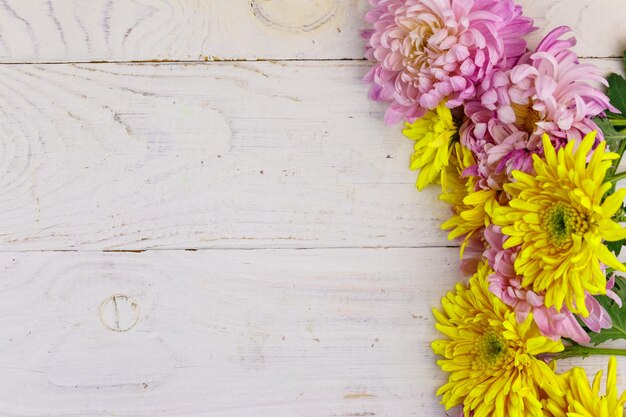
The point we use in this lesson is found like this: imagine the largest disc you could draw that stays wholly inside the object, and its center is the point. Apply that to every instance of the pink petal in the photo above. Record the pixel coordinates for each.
(545, 86)
(506, 114)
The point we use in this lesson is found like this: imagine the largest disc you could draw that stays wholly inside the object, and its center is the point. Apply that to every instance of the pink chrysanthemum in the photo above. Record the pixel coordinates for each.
(506, 285)
(548, 91)
(428, 51)
(471, 252)
(499, 148)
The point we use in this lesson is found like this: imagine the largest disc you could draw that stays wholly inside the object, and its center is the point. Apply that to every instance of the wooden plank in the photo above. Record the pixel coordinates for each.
(215, 155)
(121, 30)
(222, 333)
(188, 156)
(276, 333)
(196, 30)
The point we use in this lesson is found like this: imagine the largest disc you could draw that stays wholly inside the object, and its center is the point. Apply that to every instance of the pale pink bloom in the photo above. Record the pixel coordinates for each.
(506, 285)
(472, 252)
(499, 149)
(427, 51)
(552, 87)
(548, 91)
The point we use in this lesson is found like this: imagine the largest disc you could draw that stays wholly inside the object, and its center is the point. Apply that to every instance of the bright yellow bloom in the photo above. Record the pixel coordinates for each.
(455, 186)
(473, 209)
(432, 134)
(584, 400)
(559, 218)
(490, 356)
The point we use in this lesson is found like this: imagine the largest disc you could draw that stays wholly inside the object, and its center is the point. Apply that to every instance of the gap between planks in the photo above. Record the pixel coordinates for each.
(186, 62)
(223, 60)
(329, 248)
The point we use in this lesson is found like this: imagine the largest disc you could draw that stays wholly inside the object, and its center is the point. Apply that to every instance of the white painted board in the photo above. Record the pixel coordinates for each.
(314, 262)
(218, 155)
(198, 30)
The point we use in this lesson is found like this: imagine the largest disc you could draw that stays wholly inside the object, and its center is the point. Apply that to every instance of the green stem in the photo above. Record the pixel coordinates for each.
(617, 177)
(618, 122)
(619, 218)
(620, 152)
(576, 351)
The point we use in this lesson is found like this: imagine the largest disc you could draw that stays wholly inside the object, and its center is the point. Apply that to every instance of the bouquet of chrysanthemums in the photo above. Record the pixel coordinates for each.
(525, 144)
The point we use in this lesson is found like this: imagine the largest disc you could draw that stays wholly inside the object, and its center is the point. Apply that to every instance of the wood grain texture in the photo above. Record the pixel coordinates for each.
(223, 333)
(246, 163)
(199, 156)
(196, 30)
(217, 155)
(268, 333)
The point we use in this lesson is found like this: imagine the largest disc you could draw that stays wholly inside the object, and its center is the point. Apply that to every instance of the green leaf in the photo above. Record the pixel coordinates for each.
(611, 135)
(617, 94)
(615, 247)
(617, 314)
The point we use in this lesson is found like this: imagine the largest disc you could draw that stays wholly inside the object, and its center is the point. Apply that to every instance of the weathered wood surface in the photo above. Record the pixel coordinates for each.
(197, 30)
(246, 155)
(315, 262)
(208, 155)
(321, 332)
(327, 332)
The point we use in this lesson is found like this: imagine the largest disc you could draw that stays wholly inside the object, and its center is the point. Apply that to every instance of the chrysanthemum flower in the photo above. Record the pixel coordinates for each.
(559, 219)
(491, 358)
(472, 209)
(472, 255)
(476, 212)
(506, 284)
(455, 188)
(584, 400)
(499, 148)
(454, 184)
(548, 91)
(428, 51)
(432, 135)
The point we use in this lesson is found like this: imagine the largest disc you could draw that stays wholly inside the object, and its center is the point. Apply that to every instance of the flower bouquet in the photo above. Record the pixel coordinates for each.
(526, 148)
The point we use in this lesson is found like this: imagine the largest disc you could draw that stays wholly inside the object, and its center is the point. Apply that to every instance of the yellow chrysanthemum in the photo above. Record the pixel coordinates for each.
(473, 209)
(455, 187)
(490, 356)
(559, 218)
(584, 400)
(432, 135)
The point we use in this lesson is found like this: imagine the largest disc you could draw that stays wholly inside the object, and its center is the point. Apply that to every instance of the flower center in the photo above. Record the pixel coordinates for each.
(416, 47)
(526, 117)
(491, 348)
(530, 124)
(561, 221)
(416, 53)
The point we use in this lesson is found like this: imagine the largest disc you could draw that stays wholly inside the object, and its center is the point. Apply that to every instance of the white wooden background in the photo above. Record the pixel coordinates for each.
(217, 163)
